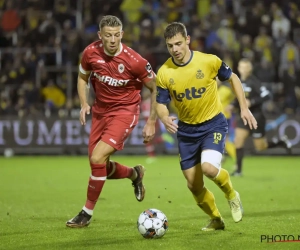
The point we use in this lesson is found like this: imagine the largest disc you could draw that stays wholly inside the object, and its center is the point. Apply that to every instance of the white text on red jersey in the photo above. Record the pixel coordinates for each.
(111, 81)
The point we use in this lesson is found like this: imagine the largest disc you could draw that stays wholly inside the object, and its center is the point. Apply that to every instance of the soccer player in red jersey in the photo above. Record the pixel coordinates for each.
(117, 74)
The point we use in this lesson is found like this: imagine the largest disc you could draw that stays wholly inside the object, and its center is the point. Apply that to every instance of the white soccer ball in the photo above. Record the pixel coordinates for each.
(152, 223)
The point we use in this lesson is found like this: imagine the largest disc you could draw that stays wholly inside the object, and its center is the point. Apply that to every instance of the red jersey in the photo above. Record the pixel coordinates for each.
(117, 80)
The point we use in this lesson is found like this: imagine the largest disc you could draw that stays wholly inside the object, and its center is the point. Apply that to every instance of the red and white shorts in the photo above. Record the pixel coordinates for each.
(112, 130)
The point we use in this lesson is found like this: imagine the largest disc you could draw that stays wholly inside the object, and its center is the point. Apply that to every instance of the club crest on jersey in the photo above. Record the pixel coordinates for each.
(171, 81)
(121, 68)
(199, 74)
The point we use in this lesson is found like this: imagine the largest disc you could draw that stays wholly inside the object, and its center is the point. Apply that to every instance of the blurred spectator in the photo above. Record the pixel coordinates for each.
(294, 15)
(227, 35)
(253, 19)
(61, 11)
(263, 45)
(265, 71)
(281, 26)
(6, 107)
(10, 19)
(289, 54)
(41, 43)
(290, 80)
(131, 10)
(53, 96)
(246, 48)
(31, 93)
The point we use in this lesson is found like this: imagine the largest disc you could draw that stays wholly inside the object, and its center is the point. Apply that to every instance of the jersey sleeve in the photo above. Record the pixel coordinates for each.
(223, 71)
(163, 94)
(142, 70)
(85, 66)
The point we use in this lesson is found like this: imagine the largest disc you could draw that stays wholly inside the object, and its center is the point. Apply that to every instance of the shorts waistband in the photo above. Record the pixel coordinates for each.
(202, 123)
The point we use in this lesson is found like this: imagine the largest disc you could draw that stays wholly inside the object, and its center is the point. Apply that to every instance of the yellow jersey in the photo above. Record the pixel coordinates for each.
(193, 86)
(226, 96)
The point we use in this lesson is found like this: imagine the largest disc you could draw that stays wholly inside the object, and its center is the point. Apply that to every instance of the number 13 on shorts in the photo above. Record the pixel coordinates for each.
(217, 137)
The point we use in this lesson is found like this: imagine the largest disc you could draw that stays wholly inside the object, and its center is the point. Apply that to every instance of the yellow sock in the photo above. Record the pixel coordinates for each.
(206, 201)
(230, 149)
(223, 181)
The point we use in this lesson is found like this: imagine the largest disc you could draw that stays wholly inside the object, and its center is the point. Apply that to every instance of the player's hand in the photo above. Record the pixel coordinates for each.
(169, 123)
(149, 131)
(248, 118)
(85, 110)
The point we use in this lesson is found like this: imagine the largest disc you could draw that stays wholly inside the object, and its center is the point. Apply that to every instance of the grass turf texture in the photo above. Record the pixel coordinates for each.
(39, 194)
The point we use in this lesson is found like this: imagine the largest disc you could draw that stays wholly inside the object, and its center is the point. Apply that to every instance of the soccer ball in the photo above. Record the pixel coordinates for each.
(152, 223)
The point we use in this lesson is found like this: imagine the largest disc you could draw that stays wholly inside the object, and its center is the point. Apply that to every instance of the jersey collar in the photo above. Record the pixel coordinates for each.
(181, 65)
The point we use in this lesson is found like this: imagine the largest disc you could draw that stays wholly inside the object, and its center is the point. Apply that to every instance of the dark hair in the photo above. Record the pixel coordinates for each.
(173, 29)
(111, 21)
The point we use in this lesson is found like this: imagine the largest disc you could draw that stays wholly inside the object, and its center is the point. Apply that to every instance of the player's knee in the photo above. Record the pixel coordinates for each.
(210, 162)
(98, 159)
(209, 170)
(195, 188)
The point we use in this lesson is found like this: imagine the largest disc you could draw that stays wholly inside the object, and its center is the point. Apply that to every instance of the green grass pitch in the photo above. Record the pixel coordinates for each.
(39, 194)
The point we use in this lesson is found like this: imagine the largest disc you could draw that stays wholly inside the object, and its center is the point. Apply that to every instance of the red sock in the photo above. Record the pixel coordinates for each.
(118, 171)
(158, 139)
(96, 183)
(150, 149)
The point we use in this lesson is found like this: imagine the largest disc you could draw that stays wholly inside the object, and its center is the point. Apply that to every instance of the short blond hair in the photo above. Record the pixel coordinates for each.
(110, 21)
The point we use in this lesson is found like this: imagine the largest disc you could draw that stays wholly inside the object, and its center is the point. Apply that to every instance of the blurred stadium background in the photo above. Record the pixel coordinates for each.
(40, 46)
(41, 42)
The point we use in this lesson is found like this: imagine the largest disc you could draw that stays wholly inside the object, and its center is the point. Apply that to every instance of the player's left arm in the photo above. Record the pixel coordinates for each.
(145, 73)
(151, 85)
(225, 73)
(149, 129)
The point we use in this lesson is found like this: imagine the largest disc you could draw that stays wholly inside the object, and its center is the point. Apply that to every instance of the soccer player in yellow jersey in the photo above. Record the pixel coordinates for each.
(226, 97)
(189, 78)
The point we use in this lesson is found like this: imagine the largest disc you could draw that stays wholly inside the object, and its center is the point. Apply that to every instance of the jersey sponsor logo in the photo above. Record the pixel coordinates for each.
(111, 81)
(121, 68)
(148, 68)
(199, 74)
(189, 94)
(100, 61)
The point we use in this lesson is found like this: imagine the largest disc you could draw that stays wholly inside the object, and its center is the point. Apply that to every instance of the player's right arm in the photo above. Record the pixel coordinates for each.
(246, 114)
(83, 87)
(162, 99)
